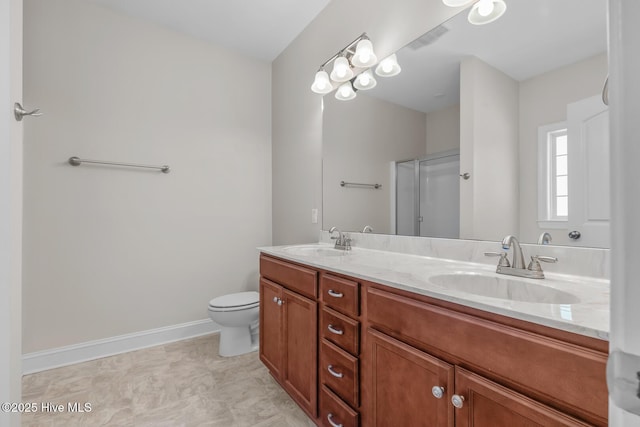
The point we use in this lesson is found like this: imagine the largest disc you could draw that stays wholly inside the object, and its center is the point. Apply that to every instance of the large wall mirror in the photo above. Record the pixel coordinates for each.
(514, 106)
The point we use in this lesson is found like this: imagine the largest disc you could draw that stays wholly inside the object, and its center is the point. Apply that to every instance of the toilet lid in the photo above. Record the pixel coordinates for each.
(239, 299)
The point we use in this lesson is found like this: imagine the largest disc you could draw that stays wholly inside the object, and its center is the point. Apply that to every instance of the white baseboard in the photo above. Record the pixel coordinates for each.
(68, 355)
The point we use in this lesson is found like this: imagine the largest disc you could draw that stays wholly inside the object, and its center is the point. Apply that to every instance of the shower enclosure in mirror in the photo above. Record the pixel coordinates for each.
(427, 197)
(486, 91)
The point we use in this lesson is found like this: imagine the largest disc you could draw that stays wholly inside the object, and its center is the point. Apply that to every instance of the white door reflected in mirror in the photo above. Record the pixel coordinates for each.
(589, 172)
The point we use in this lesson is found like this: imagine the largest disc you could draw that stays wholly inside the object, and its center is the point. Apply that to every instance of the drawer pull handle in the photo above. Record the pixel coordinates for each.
(334, 373)
(334, 330)
(333, 423)
(437, 392)
(458, 401)
(335, 294)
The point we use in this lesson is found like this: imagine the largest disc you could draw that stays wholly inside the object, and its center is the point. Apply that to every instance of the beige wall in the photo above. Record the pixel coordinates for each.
(11, 159)
(543, 100)
(297, 114)
(488, 151)
(360, 139)
(443, 130)
(110, 251)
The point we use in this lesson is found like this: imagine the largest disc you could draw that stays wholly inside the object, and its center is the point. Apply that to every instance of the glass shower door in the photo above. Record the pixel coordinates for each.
(439, 198)
(428, 197)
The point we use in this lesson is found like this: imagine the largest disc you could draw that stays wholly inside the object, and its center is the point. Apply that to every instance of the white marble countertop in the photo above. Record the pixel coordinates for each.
(584, 301)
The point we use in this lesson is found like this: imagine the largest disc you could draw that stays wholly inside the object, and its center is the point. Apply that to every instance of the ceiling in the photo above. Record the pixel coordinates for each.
(261, 29)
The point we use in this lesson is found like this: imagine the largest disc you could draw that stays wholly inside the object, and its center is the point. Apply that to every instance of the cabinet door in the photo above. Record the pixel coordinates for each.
(300, 374)
(487, 404)
(271, 343)
(401, 381)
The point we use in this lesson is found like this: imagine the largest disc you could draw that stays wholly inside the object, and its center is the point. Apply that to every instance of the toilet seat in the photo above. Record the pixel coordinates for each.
(235, 302)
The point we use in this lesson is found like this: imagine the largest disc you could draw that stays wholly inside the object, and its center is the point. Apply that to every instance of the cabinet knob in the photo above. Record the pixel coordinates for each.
(280, 301)
(458, 401)
(334, 373)
(335, 330)
(437, 392)
(335, 294)
(333, 423)
(275, 299)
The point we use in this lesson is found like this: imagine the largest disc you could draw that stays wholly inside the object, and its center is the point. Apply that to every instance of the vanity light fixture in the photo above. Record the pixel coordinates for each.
(388, 66)
(356, 57)
(341, 70)
(355, 54)
(482, 12)
(485, 11)
(345, 92)
(365, 81)
(364, 56)
(322, 84)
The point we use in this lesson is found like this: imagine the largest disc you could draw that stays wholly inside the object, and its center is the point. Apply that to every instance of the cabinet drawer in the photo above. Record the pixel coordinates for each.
(335, 412)
(291, 276)
(340, 294)
(563, 375)
(340, 330)
(339, 372)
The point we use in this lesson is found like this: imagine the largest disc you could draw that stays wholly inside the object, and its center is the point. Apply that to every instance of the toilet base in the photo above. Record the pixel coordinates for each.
(236, 340)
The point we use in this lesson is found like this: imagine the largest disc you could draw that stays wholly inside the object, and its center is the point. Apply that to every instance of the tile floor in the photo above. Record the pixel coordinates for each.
(184, 383)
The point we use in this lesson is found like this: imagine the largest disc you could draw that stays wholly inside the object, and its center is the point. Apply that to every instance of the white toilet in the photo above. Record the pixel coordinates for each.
(238, 315)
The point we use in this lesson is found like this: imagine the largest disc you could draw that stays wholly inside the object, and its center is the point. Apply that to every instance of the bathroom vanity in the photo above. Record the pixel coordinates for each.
(372, 338)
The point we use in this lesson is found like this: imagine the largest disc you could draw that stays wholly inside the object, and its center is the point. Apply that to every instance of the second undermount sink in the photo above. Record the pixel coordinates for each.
(503, 288)
(314, 250)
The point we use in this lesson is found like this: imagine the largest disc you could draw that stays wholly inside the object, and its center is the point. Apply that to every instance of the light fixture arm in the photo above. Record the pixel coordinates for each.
(341, 52)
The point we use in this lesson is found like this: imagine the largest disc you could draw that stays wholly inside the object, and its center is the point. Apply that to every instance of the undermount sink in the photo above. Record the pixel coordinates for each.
(503, 288)
(314, 250)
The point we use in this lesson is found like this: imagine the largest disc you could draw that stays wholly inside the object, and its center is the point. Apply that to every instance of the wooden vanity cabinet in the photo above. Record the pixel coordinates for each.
(506, 376)
(360, 354)
(289, 329)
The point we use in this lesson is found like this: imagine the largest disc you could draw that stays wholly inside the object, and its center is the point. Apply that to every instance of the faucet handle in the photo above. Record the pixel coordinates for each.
(503, 261)
(545, 258)
(534, 265)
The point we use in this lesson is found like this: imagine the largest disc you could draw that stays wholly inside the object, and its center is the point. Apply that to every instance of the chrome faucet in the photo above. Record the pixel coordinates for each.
(544, 239)
(518, 258)
(367, 229)
(342, 241)
(516, 268)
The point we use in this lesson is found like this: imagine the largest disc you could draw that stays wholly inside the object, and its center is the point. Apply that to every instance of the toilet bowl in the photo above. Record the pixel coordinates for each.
(238, 315)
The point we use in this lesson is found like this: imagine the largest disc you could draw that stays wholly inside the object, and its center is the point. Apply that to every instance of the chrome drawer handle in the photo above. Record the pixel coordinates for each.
(335, 330)
(335, 294)
(334, 373)
(330, 419)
